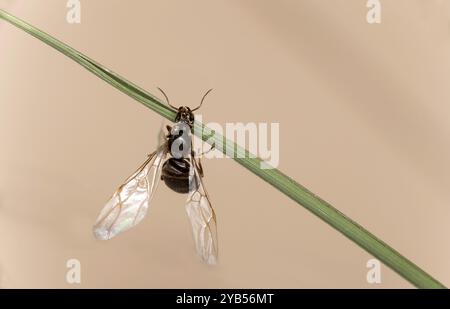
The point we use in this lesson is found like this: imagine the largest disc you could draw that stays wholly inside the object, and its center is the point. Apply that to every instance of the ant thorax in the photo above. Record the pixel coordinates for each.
(180, 140)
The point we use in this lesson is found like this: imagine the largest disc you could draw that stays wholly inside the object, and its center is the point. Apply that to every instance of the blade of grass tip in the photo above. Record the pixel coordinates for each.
(276, 178)
(112, 78)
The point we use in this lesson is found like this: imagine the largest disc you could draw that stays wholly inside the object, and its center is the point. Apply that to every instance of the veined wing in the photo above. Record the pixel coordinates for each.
(129, 204)
(203, 218)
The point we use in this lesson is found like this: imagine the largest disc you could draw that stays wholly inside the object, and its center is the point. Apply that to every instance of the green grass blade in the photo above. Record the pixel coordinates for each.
(276, 178)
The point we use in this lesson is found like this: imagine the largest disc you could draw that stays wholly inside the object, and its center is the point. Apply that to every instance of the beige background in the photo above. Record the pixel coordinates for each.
(364, 119)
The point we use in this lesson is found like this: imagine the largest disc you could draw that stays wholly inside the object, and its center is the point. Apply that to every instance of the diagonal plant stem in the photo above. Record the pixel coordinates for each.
(276, 178)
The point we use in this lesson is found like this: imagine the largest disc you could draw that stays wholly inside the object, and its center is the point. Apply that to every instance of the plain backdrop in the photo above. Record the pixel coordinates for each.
(364, 123)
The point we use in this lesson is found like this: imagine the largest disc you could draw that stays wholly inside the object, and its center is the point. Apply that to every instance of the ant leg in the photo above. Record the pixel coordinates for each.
(197, 162)
(200, 167)
(211, 148)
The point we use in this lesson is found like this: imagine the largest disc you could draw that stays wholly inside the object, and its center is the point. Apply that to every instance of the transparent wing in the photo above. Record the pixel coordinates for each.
(203, 218)
(129, 204)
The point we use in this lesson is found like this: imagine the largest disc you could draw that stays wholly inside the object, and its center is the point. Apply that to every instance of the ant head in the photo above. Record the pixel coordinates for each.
(186, 115)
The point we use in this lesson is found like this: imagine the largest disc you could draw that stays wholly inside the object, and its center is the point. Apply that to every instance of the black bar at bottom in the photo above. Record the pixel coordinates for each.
(206, 298)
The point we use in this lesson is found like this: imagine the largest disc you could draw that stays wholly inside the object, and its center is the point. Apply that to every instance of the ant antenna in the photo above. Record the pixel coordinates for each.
(167, 99)
(201, 102)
